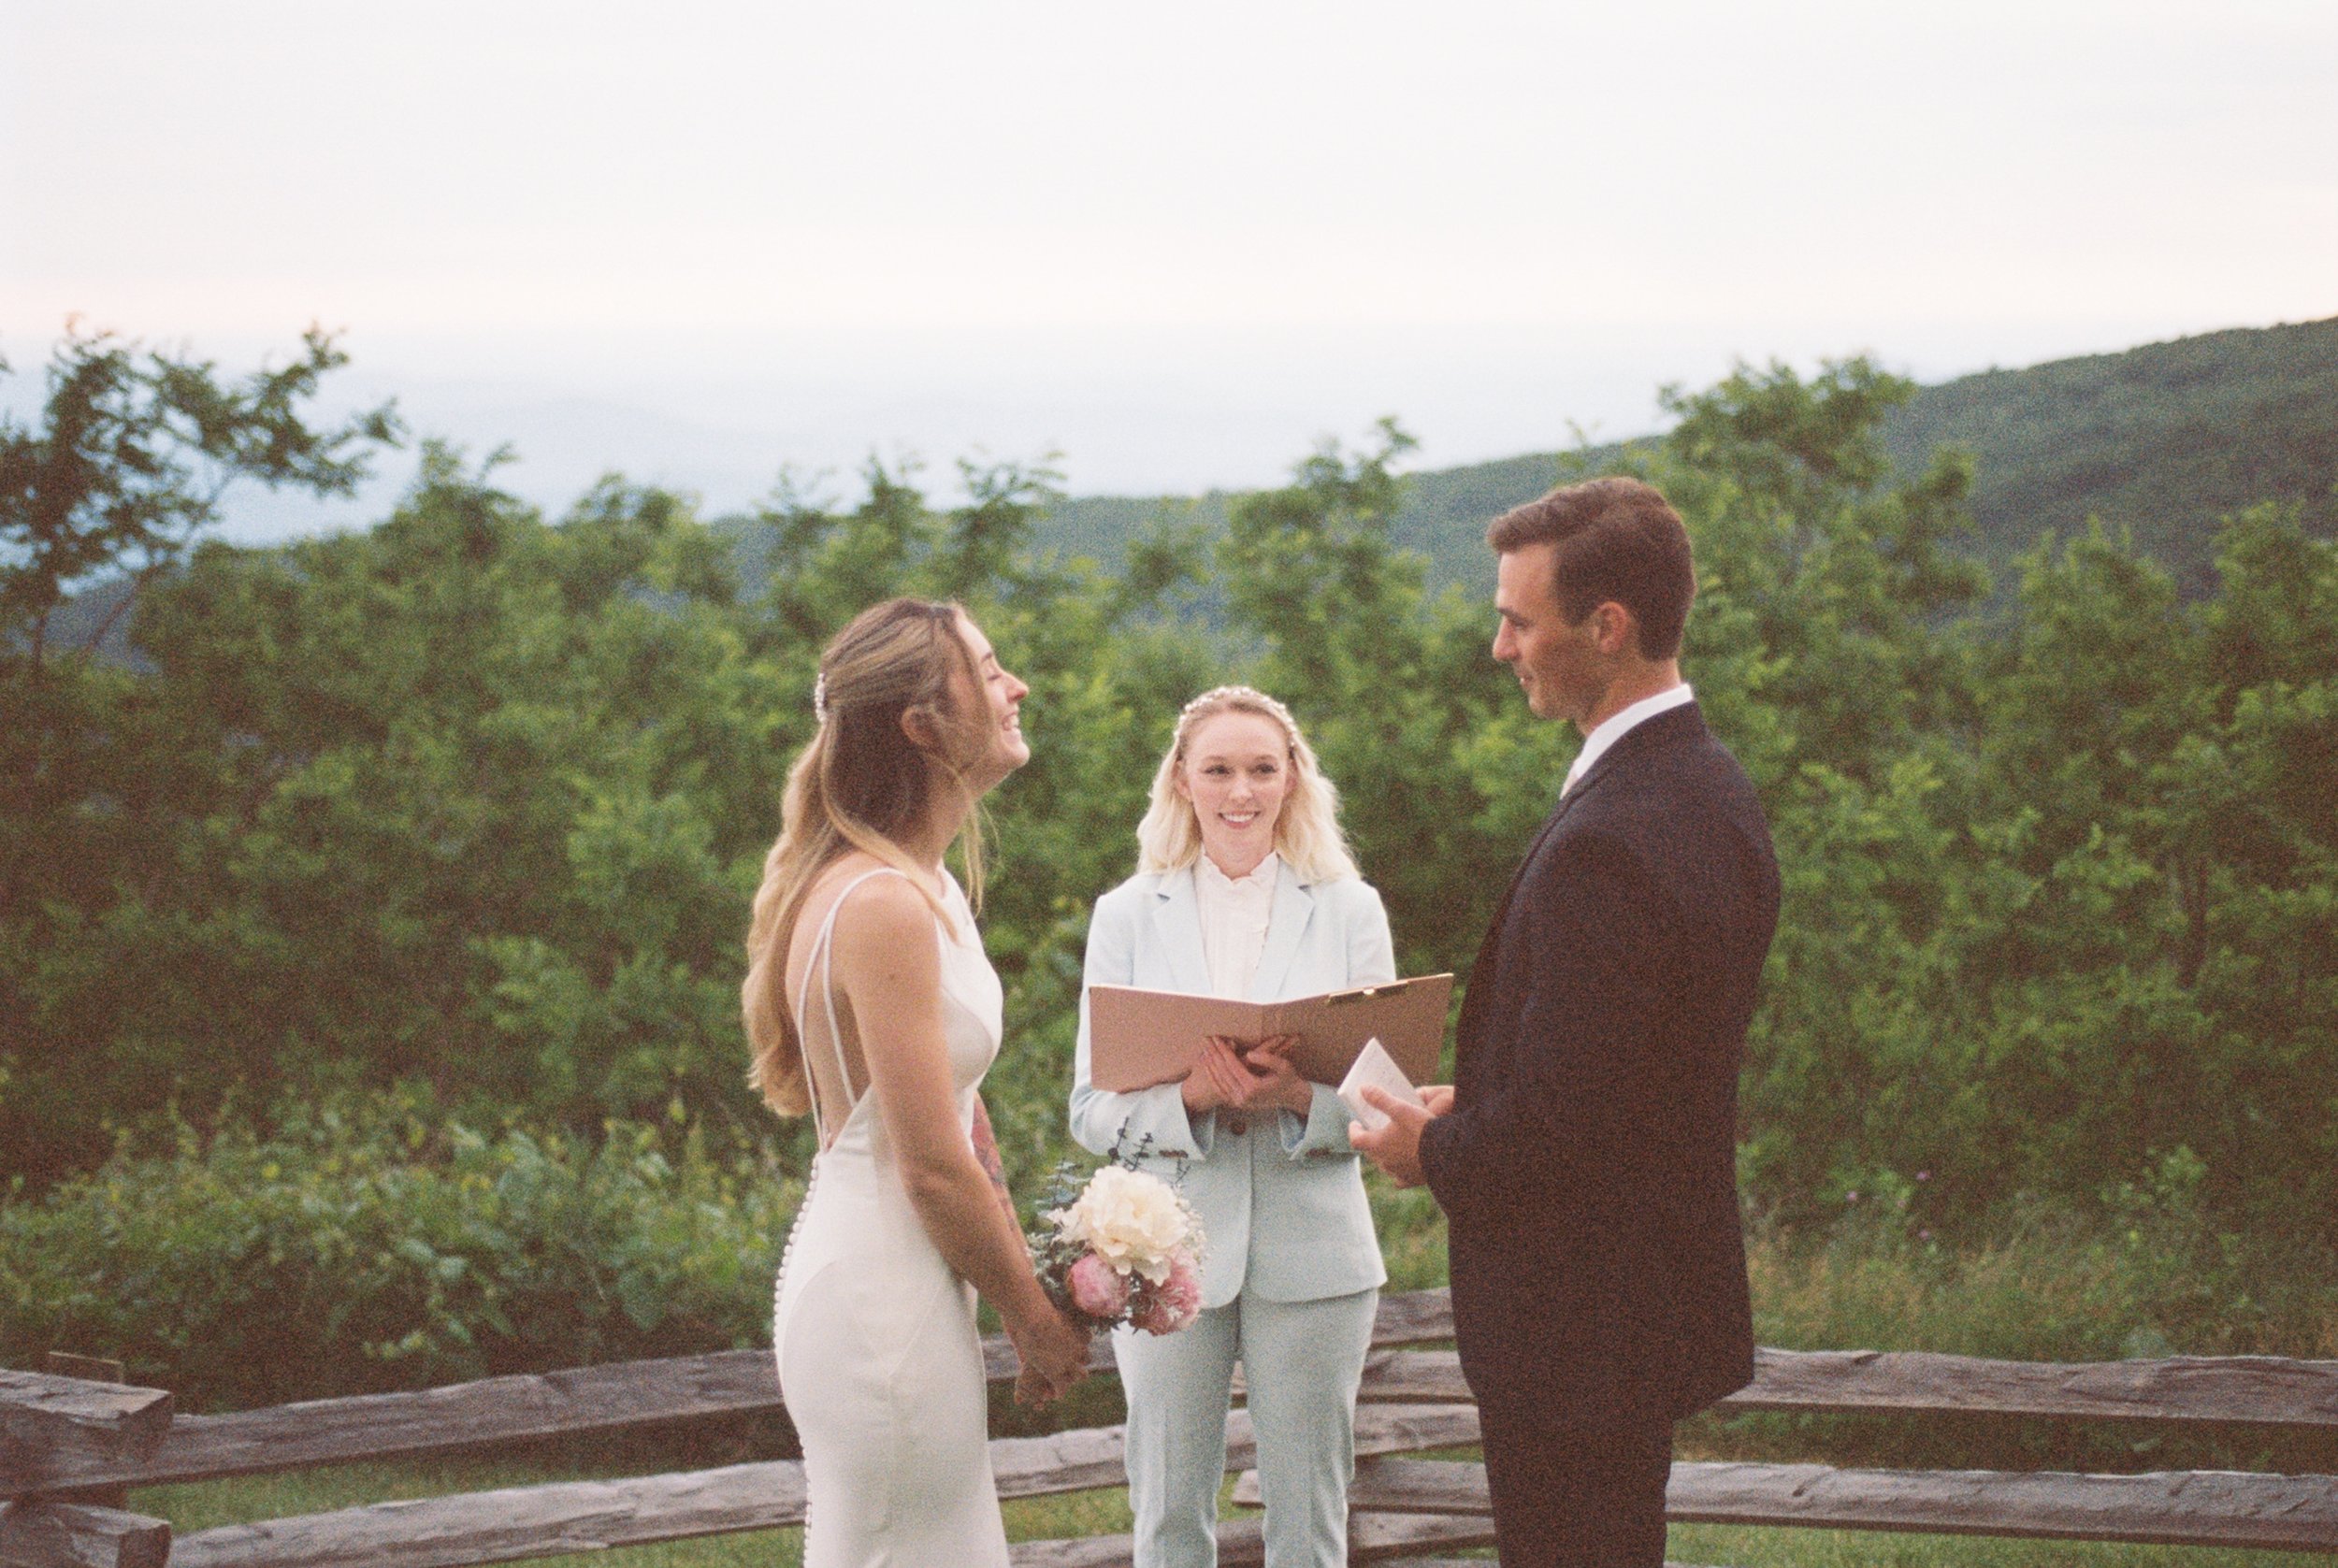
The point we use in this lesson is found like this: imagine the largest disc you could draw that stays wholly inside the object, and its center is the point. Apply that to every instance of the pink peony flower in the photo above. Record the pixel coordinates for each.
(1176, 1301)
(1097, 1288)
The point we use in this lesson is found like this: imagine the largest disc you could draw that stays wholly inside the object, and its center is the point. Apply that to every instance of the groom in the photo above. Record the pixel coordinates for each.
(1585, 1154)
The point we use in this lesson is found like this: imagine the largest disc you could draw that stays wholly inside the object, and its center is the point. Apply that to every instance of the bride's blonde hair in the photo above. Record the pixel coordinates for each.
(1306, 834)
(861, 784)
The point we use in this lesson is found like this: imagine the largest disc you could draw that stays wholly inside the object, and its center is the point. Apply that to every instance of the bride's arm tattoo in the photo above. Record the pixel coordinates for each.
(986, 1156)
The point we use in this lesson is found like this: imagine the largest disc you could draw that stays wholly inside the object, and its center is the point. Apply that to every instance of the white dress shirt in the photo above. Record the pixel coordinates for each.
(1613, 726)
(1235, 912)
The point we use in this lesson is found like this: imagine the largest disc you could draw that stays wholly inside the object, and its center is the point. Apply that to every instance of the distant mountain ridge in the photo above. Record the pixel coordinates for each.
(2166, 439)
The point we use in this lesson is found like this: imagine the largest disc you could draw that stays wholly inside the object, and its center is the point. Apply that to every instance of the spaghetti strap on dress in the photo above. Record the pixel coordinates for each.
(873, 1332)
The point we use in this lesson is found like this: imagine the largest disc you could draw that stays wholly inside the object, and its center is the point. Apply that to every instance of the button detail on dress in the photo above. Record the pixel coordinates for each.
(1236, 1126)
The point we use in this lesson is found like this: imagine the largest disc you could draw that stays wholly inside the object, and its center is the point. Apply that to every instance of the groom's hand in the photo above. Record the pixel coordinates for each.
(1396, 1147)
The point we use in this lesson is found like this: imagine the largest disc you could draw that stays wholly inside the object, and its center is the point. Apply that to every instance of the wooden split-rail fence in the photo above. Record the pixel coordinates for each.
(71, 1446)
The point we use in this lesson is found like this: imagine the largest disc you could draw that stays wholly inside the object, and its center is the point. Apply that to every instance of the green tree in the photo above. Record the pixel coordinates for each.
(1841, 577)
(473, 802)
(101, 497)
(1399, 694)
(133, 452)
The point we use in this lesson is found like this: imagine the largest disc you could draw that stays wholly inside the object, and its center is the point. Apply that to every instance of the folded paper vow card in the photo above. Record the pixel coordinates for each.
(1374, 1068)
(1139, 1037)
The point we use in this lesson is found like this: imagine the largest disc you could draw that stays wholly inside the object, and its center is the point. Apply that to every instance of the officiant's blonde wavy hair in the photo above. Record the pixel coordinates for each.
(861, 784)
(1306, 834)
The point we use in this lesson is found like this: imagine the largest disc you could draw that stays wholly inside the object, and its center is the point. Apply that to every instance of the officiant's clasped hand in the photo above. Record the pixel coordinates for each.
(1232, 1075)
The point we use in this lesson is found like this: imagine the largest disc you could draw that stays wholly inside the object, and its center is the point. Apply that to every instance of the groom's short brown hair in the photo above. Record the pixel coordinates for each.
(1618, 539)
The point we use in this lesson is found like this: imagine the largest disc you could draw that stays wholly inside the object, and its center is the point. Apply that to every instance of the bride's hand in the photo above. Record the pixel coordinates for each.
(1053, 1349)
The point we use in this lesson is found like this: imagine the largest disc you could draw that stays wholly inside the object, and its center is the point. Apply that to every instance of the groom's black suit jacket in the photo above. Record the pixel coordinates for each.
(1587, 1169)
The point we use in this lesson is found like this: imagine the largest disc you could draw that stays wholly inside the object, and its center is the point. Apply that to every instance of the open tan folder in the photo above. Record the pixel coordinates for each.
(1137, 1037)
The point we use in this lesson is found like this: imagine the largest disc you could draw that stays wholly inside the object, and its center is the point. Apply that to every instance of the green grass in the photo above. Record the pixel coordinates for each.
(206, 1506)
(1412, 1233)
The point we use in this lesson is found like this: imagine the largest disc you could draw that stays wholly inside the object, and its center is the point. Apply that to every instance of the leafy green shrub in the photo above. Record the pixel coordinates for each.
(2055, 1282)
(370, 1245)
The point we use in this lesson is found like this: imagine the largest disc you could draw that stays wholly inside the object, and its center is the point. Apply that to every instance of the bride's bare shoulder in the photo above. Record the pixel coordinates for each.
(872, 910)
(846, 894)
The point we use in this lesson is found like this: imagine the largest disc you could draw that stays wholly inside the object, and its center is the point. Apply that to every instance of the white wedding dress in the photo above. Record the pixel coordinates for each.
(873, 1332)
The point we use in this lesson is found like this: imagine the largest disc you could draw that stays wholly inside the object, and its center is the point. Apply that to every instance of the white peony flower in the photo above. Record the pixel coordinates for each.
(1131, 1220)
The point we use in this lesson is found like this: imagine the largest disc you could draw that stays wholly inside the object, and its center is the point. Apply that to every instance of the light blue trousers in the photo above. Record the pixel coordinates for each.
(1301, 1361)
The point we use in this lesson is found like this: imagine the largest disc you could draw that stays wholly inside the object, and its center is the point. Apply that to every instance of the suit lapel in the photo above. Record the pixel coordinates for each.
(1474, 1000)
(1177, 920)
(1285, 926)
(1672, 723)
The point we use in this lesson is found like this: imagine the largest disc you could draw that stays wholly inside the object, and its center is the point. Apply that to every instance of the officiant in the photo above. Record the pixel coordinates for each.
(1245, 888)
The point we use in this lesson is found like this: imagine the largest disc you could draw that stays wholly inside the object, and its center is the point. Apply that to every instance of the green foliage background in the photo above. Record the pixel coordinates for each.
(465, 811)
(374, 1243)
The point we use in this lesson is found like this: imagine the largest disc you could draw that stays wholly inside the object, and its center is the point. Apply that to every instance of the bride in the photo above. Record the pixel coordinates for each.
(871, 1004)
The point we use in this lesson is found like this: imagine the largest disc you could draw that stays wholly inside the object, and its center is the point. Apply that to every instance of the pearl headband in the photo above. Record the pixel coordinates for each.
(1228, 697)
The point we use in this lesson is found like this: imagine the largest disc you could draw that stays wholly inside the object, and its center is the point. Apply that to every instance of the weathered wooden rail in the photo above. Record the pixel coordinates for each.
(69, 1445)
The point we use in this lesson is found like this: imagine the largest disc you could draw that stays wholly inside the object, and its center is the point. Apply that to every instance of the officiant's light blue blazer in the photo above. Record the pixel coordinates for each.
(1281, 1201)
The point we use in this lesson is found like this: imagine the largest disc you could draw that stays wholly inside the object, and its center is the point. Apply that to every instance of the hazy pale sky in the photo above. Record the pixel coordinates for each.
(698, 240)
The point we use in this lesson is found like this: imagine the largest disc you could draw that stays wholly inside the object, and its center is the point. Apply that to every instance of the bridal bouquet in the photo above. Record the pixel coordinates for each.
(1127, 1249)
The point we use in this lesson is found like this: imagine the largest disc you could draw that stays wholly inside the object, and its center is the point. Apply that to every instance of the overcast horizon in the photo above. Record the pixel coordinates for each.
(1177, 250)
